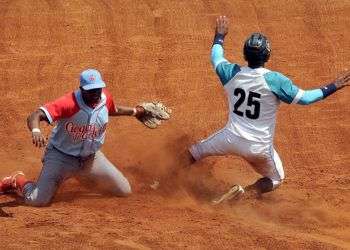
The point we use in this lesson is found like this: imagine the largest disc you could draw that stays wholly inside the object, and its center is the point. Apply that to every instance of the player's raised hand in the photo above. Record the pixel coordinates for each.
(221, 25)
(38, 139)
(343, 80)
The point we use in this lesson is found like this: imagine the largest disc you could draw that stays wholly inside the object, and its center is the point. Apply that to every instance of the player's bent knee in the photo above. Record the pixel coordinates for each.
(35, 197)
(120, 188)
(38, 201)
(124, 191)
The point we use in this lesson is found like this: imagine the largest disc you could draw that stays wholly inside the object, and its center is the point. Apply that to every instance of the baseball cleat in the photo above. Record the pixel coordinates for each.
(9, 183)
(234, 193)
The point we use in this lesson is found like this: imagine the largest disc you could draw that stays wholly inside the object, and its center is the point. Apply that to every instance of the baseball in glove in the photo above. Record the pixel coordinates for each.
(152, 113)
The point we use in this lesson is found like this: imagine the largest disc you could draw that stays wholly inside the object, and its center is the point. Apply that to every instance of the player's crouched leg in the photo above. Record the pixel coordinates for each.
(104, 177)
(119, 186)
(269, 165)
(36, 196)
(113, 184)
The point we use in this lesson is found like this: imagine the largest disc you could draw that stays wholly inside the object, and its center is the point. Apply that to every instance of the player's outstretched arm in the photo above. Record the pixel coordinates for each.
(311, 96)
(217, 51)
(33, 123)
(126, 111)
(149, 113)
(289, 93)
(223, 68)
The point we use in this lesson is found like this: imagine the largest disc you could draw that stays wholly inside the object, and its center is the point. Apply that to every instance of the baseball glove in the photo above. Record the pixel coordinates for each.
(152, 113)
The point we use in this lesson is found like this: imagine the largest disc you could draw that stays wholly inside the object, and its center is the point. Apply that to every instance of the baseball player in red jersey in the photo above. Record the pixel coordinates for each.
(73, 150)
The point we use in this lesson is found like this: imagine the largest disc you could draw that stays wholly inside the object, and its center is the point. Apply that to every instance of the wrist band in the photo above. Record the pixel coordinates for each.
(219, 39)
(134, 112)
(36, 130)
(328, 89)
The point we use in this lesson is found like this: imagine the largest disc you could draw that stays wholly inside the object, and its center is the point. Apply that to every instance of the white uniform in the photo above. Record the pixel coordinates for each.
(253, 96)
(250, 129)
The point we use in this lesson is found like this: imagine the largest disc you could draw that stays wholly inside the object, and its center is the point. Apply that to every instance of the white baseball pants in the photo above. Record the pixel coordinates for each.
(262, 157)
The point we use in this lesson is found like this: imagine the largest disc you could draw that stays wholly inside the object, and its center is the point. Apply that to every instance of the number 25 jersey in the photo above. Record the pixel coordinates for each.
(254, 96)
(252, 105)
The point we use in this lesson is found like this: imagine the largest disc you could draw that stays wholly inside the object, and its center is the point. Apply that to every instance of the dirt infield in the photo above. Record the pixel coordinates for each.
(160, 50)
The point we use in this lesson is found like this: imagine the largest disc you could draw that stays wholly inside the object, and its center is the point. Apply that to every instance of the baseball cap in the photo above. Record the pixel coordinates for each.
(91, 79)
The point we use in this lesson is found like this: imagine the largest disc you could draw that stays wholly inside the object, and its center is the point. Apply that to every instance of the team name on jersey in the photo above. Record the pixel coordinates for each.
(79, 132)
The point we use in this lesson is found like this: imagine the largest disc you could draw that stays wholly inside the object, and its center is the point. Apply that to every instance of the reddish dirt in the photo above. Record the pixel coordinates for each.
(160, 50)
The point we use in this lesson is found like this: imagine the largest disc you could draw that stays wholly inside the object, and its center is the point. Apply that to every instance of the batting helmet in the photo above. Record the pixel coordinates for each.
(257, 49)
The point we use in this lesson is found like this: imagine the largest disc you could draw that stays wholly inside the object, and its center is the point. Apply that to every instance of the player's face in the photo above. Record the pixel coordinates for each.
(92, 96)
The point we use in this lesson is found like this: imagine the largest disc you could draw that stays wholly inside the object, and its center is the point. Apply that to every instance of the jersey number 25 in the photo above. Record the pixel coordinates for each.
(253, 101)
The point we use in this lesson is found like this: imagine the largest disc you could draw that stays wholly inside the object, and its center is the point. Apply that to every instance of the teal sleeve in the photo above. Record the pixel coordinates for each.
(217, 55)
(287, 92)
(311, 96)
(281, 86)
(225, 70)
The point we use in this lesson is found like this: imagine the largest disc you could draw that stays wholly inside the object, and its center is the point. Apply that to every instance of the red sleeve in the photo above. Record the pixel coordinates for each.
(109, 102)
(63, 107)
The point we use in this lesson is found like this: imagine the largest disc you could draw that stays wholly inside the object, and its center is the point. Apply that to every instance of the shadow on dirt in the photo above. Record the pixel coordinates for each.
(14, 203)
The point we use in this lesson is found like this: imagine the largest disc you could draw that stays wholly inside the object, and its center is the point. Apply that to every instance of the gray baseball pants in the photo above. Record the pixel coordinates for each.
(95, 171)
